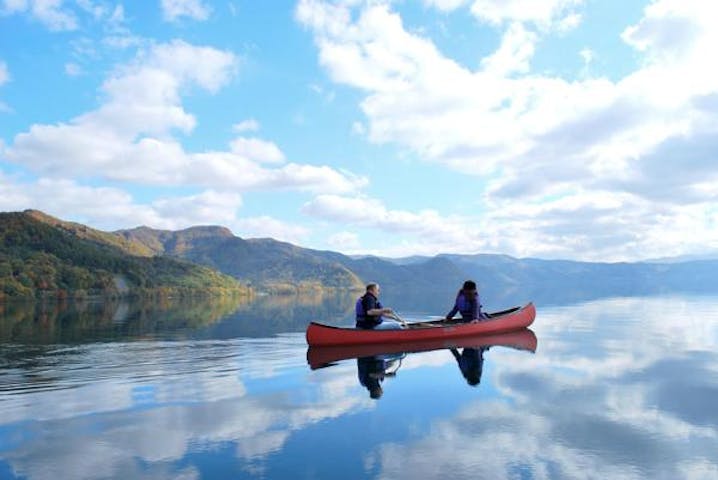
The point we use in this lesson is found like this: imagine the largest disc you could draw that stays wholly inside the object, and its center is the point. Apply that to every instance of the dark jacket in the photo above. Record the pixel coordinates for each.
(365, 303)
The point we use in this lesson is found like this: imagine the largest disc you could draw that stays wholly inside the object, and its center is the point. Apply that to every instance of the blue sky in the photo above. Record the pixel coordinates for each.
(549, 128)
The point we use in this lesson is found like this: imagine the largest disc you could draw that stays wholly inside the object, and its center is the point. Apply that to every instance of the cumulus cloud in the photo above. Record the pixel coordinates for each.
(536, 137)
(257, 149)
(430, 232)
(113, 208)
(130, 136)
(194, 9)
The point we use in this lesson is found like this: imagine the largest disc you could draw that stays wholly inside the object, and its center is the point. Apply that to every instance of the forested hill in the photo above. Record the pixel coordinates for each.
(265, 263)
(41, 256)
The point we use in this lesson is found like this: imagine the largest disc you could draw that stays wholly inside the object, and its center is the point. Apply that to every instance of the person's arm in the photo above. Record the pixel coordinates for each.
(377, 309)
(374, 308)
(475, 308)
(453, 311)
(480, 314)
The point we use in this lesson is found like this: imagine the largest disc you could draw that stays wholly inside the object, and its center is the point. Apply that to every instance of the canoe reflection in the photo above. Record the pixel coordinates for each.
(319, 357)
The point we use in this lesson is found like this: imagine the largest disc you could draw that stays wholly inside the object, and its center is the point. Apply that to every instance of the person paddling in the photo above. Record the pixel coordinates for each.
(369, 311)
(468, 304)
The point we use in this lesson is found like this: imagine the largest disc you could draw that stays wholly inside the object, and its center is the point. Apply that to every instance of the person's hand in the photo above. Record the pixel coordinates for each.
(388, 311)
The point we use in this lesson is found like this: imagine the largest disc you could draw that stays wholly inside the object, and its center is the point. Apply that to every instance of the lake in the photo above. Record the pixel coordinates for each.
(617, 388)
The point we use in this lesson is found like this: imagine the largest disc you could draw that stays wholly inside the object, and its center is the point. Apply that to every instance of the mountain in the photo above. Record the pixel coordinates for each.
(269, 264)
(41, 253)
(43, 256)
(503, 280)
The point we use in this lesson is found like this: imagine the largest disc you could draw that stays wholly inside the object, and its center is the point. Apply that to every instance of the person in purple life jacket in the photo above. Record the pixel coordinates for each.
(471, 363)
(369, 311)
(468, 304)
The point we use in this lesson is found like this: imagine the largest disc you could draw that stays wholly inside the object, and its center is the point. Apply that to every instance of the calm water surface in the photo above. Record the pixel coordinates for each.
(617, 388)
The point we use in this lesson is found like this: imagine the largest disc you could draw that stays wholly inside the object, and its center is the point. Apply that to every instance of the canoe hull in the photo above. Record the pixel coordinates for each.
(319, 357)
(324, 335)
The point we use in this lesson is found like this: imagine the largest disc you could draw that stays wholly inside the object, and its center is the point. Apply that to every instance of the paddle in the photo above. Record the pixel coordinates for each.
(396, 317)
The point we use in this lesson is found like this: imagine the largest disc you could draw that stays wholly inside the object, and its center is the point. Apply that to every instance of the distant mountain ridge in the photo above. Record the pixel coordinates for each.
(280, 267)
(503, 280)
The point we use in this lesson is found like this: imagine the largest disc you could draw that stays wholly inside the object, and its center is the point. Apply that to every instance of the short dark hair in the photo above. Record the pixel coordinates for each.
(469, 285)
(371, 286)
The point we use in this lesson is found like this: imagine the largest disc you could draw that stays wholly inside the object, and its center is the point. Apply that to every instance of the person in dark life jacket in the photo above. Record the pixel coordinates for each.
(369, 311)
(471, 363)
(373, 370)
(468, 304)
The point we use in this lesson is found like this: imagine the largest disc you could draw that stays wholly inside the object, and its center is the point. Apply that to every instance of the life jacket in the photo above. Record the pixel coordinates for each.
(466, 306)
(362, 319)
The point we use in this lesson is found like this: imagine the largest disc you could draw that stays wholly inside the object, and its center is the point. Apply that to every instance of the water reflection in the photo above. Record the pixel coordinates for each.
(377, 362)
(169, 319)
(373, 370)
(620, 388)
(116, 320)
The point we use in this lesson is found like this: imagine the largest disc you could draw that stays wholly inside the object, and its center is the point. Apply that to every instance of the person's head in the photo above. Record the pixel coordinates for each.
(469, 288)
(473, 377)
(373, 288)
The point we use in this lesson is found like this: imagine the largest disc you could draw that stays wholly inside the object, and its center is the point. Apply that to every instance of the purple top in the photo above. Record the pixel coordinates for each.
(469, 308)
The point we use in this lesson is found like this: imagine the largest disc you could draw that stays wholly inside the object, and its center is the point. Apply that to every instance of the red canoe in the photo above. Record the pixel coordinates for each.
(319, 357)
(505, 321)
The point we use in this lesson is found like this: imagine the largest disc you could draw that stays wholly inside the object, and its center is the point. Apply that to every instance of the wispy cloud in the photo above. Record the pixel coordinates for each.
(172, 10)
(53, 14)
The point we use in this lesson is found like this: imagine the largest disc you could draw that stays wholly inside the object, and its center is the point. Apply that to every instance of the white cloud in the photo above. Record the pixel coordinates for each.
(112, 208)
(446, 5)
(130, 136)
(50, 13)
(249, 125)
(195, 9)
(543, 13)
(432, 232)
(537, 137)
(264, 226)
(257, 149)
(514, 54)
(109, 208)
